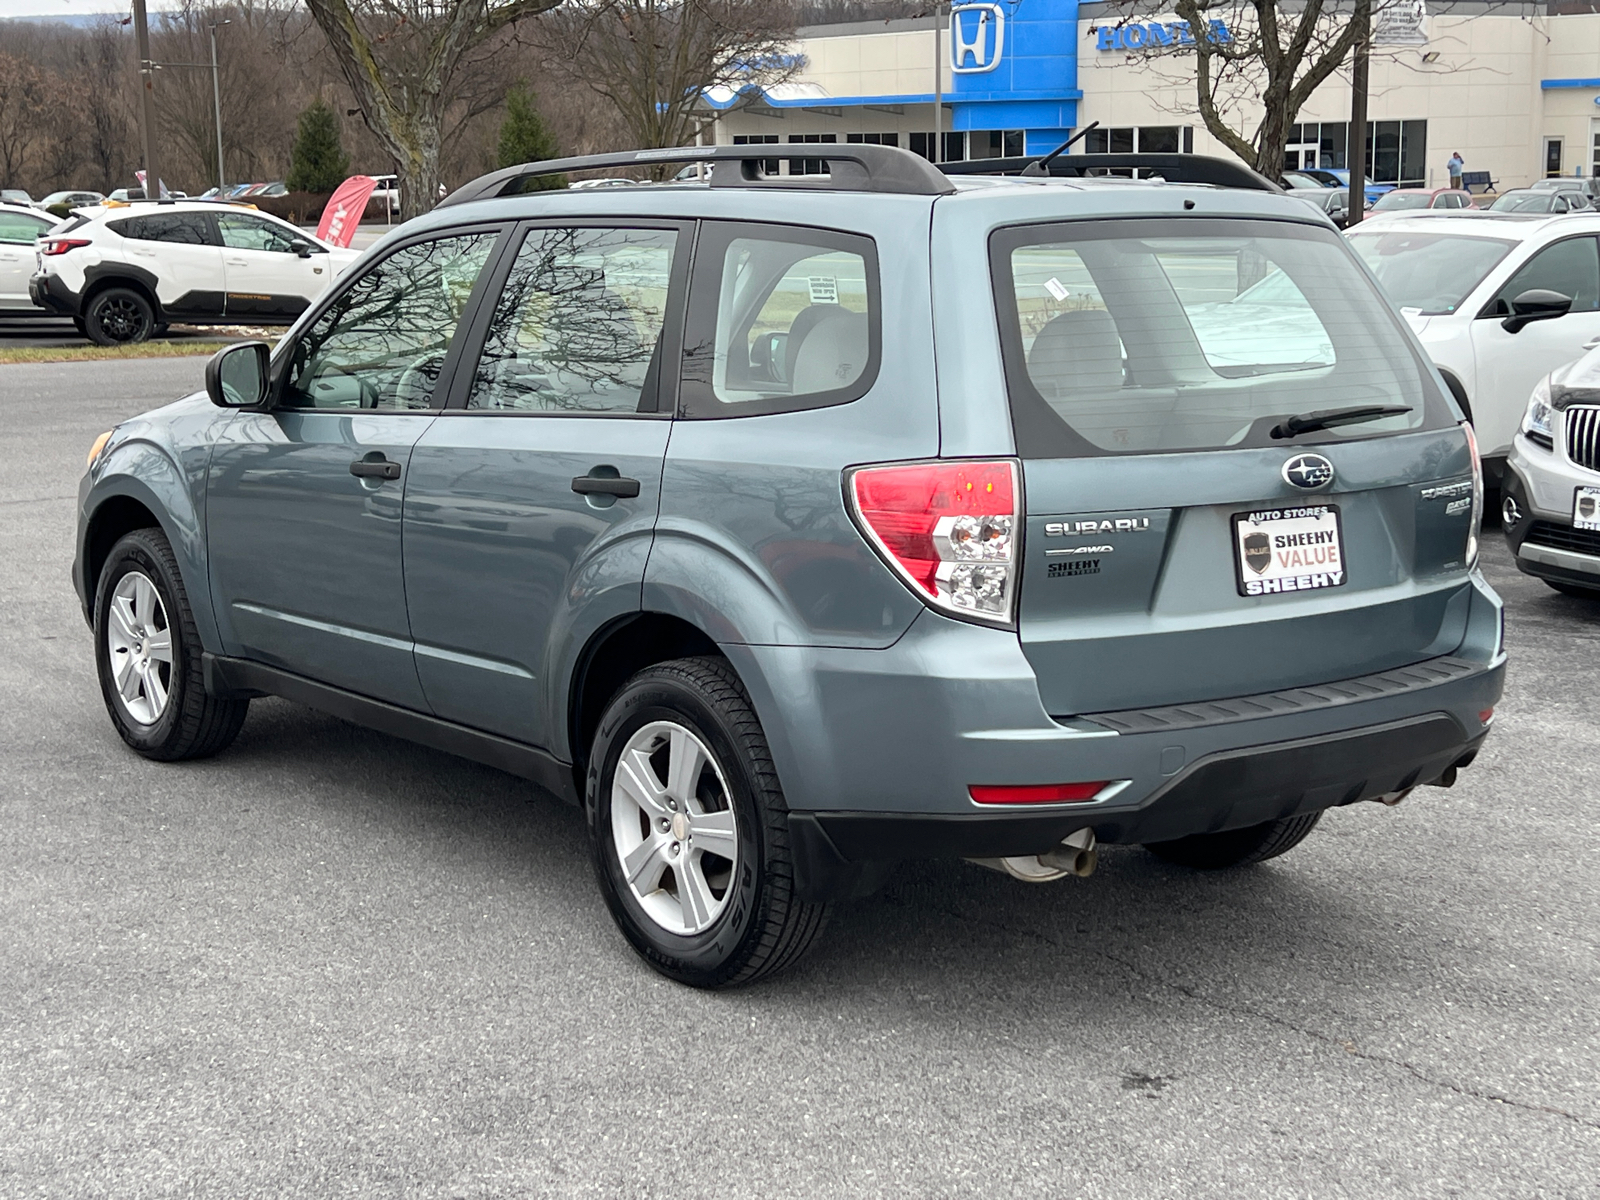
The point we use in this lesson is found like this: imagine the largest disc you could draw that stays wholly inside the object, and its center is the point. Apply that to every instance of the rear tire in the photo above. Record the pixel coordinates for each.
(1575, 589)
(147, 652)
(1237, 847)
(118, 317)
(693, 761)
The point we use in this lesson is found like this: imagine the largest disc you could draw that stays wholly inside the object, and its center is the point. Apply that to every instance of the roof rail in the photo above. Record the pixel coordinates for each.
(852, 168)
(1175, 168)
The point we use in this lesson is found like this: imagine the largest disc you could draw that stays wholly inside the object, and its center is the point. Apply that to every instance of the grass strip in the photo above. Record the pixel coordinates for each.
(51, 354)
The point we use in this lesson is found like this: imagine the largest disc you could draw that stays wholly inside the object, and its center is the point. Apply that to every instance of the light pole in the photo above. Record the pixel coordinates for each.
(216, 99)
(147, 110)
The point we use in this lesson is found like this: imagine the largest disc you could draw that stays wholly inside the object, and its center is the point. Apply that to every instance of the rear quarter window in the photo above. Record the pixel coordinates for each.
(1143, 336)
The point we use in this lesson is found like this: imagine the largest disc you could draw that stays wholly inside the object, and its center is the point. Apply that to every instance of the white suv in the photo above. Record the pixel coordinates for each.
(124, 273)
(1498, 300)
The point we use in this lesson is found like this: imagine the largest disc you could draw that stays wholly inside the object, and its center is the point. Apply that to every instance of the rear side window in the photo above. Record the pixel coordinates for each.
(20, 227)
(580, 322)
(189, 229)
(780, 318)
(1136, 337)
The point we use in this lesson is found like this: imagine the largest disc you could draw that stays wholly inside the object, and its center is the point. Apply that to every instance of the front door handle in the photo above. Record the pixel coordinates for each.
(375, 468)
(605, 485)
(1592, 343)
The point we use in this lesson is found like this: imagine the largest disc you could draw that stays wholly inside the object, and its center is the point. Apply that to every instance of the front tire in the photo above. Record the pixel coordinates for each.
(147, 652)
(119, 317)
(1237, 847)
(679, 756)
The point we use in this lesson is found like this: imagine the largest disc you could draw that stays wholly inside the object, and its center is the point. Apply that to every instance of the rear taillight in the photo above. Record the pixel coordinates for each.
(949, 529)
(1477, 496)
(61, 246)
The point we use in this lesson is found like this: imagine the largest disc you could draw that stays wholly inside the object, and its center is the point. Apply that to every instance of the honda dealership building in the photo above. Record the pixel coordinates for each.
(1515, 88)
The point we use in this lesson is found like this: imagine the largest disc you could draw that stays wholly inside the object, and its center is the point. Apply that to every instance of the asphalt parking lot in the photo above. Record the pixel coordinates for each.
(332, 963)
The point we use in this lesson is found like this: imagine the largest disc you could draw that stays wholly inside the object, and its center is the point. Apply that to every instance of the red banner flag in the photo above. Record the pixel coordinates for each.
(345, 208)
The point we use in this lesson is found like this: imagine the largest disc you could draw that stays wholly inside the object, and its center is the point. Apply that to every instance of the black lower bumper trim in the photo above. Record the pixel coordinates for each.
(1229, 790)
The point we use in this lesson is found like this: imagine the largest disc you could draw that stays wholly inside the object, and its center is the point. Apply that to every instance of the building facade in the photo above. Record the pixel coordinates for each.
(1514, 88)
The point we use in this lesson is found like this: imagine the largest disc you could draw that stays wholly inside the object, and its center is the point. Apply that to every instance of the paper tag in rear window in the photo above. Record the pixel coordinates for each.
(1299, 549)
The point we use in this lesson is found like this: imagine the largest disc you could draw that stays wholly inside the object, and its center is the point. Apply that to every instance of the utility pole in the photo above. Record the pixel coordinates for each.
(147, 87)
(1356, 140)
(216, 99)
(938, 86)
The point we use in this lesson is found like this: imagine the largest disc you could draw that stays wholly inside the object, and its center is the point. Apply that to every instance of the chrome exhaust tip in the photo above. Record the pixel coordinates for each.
(1076, 855)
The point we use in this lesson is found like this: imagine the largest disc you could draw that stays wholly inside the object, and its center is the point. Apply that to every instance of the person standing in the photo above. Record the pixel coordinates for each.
(1455, 166)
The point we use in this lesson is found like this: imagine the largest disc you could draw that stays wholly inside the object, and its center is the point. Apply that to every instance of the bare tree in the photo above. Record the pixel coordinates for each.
(24, 107)
(653, 59)
(408, 63)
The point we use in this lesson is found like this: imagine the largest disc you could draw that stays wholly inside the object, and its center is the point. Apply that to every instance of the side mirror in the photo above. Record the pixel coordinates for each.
(302, 247)
(236, 376)
(1536, 304)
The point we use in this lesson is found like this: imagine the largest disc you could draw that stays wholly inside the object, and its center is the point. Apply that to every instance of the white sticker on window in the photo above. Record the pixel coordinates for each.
(824, 289)
(1055, 287)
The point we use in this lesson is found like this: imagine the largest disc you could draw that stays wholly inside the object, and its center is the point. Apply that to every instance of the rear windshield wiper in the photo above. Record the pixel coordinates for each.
(1328, 418)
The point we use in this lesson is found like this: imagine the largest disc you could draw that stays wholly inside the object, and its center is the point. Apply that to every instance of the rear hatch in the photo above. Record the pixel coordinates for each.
(1187, 541)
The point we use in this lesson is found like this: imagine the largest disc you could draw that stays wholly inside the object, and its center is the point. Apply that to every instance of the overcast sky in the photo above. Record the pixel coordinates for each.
(52, 8)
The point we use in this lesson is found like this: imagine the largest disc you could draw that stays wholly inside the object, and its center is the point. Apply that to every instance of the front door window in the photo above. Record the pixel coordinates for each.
(382, 343)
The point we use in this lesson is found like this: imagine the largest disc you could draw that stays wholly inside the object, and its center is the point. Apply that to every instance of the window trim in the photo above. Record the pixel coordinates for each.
(1488, 311)
(285, 350)
(1055, 439)
(494, 281)
(697, 400)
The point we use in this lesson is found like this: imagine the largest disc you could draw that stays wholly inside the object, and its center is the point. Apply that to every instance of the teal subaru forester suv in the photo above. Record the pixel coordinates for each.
(797, 526)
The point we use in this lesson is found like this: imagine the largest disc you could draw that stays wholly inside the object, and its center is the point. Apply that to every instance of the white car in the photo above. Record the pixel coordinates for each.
(20, 227)
(123, 273)
(1550, 503)
(1498, 301)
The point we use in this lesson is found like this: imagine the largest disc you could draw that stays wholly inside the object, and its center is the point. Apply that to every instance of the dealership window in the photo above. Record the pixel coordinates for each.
(770, 166)
(1313, 145)
(953, 145)
(1144, 139)
(873, 139)
(1397, 153)
(811, 166)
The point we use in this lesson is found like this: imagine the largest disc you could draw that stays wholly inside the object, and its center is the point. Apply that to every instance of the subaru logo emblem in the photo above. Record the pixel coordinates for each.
(977, 37)
(1308, 471)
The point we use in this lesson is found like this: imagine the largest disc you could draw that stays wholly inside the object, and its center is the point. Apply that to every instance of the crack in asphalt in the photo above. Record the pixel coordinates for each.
(1349, 1047)
(38, 500)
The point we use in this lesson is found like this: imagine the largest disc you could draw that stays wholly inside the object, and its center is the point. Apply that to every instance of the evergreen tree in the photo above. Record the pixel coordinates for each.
(524, 138)
(318, 162)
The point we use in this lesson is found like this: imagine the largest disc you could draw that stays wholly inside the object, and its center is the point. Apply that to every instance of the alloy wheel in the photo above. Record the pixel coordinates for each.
(121, 319)
(140, 645)
(673, 827)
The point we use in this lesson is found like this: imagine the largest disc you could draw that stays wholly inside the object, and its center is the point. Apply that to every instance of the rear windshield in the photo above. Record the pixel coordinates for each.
(1431, 273)
(1142, 336)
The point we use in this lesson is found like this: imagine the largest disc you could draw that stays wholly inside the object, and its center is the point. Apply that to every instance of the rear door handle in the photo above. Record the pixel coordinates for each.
(375, 468)
(1592, 342)
(605, 485)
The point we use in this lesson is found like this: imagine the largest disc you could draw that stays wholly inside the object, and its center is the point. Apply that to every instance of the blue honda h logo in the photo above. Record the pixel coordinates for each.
(977, 36)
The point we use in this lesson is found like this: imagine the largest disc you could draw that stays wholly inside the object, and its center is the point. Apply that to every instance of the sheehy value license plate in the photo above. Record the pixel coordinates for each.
(1288, 550)
(1586, 508)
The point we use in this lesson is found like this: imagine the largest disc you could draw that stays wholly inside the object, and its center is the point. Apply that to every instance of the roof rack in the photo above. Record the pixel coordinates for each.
(1175, 168)
(852, 168)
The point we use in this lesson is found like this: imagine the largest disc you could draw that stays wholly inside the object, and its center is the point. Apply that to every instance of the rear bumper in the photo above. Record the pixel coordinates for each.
(49, 292)
(838, 852)
(876, 748)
